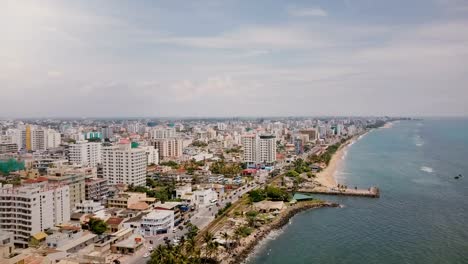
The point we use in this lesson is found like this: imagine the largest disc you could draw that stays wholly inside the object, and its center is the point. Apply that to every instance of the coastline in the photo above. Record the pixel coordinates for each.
(327, 177)
(248, 245)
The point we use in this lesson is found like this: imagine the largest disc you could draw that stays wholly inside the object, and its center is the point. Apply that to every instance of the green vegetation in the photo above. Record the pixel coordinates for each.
(292, 174)
(192, 165)
(97, 226)
(237, 149)
(94, 140)
(227, 169)
(160, 191)
(243, 231)
(16, 181)
(257, 195)
(269, 192)
(7, 166)
(198, 143)
(327, 155)
(223, 210)
(377, 124)
(170, 163)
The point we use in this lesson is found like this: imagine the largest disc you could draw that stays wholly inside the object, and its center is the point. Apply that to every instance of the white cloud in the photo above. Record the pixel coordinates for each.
(54, 74)
(307, 12)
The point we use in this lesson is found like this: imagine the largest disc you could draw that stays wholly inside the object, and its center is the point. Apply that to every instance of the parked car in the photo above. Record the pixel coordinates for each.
(147, 254)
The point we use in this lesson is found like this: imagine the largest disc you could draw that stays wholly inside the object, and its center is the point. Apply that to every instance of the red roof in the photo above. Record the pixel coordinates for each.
(114, 221)
(36, 180)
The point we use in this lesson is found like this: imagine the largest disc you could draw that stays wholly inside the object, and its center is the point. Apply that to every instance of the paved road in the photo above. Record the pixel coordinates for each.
(201, 218)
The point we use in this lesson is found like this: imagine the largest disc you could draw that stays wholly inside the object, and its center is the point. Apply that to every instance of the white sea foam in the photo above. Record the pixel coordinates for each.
(418, 141)
(258, 249)
(427, 169)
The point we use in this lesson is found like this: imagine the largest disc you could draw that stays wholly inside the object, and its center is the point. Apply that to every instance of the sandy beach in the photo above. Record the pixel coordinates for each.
(327, 176)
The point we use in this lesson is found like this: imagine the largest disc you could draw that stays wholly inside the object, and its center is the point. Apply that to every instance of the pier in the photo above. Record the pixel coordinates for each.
(372, 192)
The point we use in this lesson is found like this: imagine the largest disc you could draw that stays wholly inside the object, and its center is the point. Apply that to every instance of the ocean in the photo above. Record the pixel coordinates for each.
(421, 216)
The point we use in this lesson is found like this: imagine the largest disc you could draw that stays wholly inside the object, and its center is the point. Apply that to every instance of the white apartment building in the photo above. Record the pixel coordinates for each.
(163, 132)
(33, 138)
(249, 143)
(152, 154)
(267, 144)
(89, 207)
(124, 164)
(30, 209)
(85, 153)
(259, 148)
(54, 139)
(169, 147)
(157, 222)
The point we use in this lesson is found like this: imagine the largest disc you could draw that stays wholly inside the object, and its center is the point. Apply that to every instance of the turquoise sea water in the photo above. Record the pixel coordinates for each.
(421, 217)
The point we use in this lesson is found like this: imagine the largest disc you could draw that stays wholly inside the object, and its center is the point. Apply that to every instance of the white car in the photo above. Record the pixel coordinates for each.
(147, 254)
(150, 249)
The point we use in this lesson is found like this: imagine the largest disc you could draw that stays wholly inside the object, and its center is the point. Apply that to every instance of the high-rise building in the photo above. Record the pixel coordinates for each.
(124, 164)
(311, 132)
(85, 153)
(163, 132)
(169, 147)
(76, 184)
(34, 138)
(54, 139)
(30, 209)
(267, 149)
(249, 142)
(153, 154)
(107, 132)
(259, 148)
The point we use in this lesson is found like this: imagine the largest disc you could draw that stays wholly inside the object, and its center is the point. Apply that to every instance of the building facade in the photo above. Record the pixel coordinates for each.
(30, 209)
(85, 153)
(124, 164)
(157, 222)
(169, 147)
(259, 149)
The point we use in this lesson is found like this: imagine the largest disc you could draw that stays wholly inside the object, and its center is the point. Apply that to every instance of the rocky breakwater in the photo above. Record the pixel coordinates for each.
(247, 245)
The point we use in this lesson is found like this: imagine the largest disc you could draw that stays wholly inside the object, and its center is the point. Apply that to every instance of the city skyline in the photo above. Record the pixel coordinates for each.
(233, 58)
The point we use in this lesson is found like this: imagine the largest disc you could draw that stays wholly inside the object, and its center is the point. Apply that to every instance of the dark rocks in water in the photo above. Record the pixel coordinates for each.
(456, 177)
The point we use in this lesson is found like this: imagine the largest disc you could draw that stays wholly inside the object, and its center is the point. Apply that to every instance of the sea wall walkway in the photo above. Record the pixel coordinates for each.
(372, 192)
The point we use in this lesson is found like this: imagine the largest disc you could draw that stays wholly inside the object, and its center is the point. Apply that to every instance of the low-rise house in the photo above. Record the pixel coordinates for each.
(114, 224)
(204, 197)
(89, 207)
(269, 206)
(130, 245)
(125, 199)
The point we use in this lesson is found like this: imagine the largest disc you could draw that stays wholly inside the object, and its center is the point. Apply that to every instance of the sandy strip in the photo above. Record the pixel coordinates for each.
(327, 176)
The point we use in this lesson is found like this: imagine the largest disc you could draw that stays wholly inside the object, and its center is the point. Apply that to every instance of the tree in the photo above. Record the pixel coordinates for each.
(97, 226)
(257, 195)
(292, 174)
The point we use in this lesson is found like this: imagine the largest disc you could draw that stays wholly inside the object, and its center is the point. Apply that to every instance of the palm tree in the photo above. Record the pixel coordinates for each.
(226, 237)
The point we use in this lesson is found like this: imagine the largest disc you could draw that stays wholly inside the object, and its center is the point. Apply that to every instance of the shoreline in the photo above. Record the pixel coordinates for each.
(327, 177)
(247, 248)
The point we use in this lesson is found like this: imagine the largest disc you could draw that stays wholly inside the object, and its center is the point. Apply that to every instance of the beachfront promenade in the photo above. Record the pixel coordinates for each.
(372, 192)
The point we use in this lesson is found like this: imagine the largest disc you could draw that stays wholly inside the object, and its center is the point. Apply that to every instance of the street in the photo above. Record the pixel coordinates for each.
(201, 218)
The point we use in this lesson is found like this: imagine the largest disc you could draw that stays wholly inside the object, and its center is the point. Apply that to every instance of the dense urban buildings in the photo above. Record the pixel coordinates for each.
(144, 178)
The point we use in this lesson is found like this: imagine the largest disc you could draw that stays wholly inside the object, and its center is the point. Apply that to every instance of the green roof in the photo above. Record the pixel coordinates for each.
(300, 196)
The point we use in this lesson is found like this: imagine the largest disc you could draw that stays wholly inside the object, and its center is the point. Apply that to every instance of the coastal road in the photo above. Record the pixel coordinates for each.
(201, 218)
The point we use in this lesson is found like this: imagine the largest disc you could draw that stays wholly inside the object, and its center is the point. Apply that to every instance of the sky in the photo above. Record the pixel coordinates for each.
(111, 58)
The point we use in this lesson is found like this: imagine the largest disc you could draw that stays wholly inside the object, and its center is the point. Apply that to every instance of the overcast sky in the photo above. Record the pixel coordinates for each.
(101, 58)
